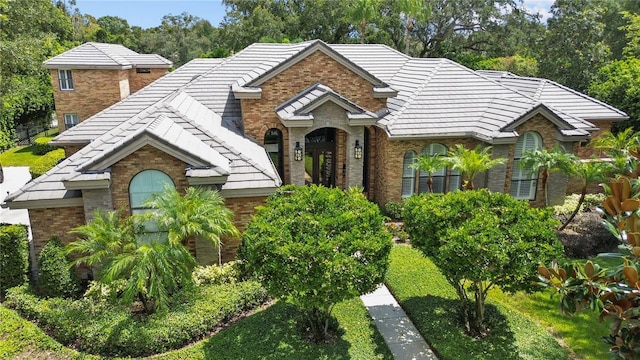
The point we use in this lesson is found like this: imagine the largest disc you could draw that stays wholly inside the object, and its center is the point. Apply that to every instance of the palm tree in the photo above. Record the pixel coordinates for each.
(471, 162)
(429, 164)
(618, 147)
(589, 172)
(154, 267)
(106, 236)
(362, 12)
(200, 212)
(544, 162)
(412, 10)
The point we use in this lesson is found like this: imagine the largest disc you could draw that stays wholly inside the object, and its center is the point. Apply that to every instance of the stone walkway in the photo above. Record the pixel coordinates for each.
(402, 337)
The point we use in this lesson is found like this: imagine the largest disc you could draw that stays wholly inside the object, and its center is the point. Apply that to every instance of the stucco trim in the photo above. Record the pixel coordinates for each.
(86, 184)
(43, 204)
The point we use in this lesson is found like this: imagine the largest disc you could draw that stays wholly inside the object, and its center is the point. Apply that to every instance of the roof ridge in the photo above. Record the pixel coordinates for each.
(539, 90)
(109, 55)
(414, 94)
(215, 137)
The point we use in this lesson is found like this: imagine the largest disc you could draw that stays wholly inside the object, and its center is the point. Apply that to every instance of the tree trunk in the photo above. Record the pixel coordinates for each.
(545, 177)
(430, 183)
(583, 193)
(478, 323)
(363, 30)
(408, 35)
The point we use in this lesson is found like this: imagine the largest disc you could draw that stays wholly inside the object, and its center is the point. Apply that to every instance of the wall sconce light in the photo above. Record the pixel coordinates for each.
(357, 150)
(297, 152)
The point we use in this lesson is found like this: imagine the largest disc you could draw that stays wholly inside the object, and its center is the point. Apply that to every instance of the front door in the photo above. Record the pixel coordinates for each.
(320, 157)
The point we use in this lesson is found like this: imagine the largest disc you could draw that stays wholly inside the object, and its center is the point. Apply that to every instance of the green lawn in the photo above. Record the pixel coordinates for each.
(272, 333)
(24, 156)
(431, 303)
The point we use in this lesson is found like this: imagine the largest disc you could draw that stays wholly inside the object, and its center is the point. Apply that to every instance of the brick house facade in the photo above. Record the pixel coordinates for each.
(307, 113)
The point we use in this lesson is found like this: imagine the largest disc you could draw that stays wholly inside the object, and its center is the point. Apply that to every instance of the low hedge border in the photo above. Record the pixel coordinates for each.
(112, 330)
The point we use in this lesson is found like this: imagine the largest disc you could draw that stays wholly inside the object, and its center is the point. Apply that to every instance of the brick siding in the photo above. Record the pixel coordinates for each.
(139, 80)
(47, 223)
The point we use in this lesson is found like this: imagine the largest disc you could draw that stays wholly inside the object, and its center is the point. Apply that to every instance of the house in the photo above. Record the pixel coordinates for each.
(310, 112)
(109, 72)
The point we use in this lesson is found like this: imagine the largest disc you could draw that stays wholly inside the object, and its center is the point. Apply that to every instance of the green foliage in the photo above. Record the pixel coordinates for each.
(574, 47)
(480, 240)
(112, 330)
(56, 278)
(316, 246)
(428, 299)
(393, 209)
(41, 146)
(46, 162)
(5, 141)
(14, 257)
(544, 162)
(22, 339)
(471, 162)
(618, 84)
(571, 202)
(518, 65)
(216, 274)
(155, 268)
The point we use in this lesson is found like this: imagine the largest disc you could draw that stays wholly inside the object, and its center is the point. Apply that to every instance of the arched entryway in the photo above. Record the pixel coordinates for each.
(320, 157)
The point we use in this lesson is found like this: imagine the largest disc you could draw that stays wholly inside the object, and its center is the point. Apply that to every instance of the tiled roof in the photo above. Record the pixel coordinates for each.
(558, 96)
(108, 56)
(435, 98)
(182, 127)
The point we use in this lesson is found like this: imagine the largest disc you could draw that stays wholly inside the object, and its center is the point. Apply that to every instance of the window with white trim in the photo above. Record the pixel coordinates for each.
(524, 182)
(408, 174)
(141, 187)
(70, 120)
(65, 79)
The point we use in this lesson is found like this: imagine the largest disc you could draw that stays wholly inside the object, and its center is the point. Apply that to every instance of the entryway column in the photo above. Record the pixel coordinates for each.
(296, 168)
(354, 166)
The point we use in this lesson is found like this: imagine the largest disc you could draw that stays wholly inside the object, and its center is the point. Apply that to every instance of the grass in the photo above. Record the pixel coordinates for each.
(24, 156)
(431, 303)
(272, 333)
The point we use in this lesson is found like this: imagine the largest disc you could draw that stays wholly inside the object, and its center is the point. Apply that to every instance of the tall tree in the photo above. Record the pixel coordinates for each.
(30, 32)
(574, 47)
(412, 11)
(362, 12)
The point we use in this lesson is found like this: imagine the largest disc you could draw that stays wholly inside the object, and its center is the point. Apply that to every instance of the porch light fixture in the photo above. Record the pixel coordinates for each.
(297, 152)
(357, 150)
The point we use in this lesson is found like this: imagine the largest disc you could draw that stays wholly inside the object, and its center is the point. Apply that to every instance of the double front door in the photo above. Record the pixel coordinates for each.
(320, 157)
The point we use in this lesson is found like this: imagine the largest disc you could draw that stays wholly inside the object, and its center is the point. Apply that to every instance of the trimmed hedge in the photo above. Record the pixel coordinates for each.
(14, 257)
(217, 275)
(112, 330)
(41, 146)
(46, 162)
(56, 276)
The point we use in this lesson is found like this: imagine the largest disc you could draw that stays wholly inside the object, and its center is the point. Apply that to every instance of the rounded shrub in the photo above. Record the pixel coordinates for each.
(46, 162)
(14, 257)
(314, 247)
(56, 276)
(41, 146)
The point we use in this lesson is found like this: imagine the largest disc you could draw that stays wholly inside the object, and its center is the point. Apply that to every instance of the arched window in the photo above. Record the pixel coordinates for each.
(273, 145)
(142, 186)
(524, 182)
(439, 177)
(408, 174)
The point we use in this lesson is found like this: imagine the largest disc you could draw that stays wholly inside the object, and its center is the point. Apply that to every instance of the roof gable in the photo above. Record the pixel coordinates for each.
(297, 111)
(105, 56)
(257, 79)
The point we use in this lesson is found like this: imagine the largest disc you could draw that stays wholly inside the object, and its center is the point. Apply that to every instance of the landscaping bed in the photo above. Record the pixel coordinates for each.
(113, 330)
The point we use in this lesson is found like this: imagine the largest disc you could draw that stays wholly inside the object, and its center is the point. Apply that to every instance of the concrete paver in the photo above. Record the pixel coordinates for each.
(401, 336)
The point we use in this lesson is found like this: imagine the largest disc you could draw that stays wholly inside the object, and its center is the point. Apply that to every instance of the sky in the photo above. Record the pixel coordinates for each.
(149, 13)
